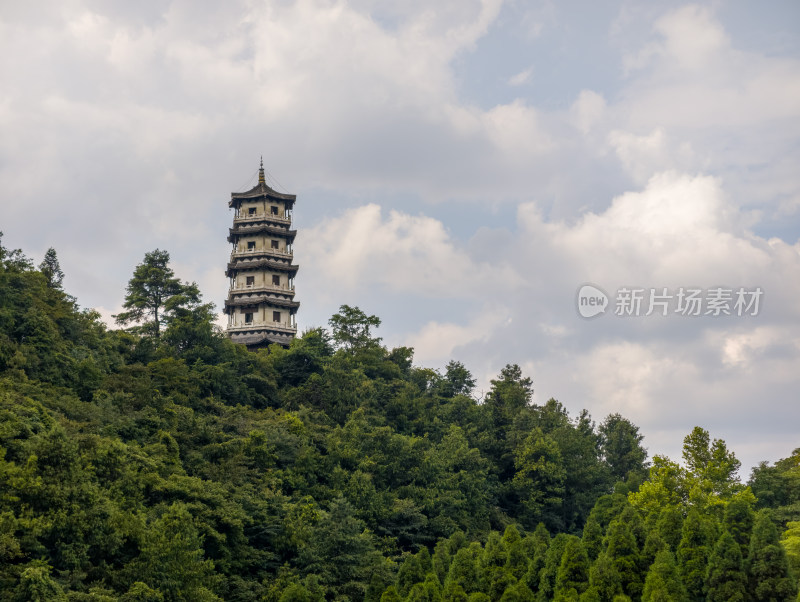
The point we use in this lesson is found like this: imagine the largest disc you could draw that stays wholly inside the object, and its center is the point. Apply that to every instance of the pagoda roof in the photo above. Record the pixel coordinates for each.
(260, 300)
(248, 229)
(255, 264)
(259, 339)
(260, 190)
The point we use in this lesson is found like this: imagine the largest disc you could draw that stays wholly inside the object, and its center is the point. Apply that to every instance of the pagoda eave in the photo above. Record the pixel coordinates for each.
(265, 228)
(235, 266)
(254, 301)
(257, 340)
(259, 191)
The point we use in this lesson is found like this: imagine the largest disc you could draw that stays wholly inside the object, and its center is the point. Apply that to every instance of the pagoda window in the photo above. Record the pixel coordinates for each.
(250, 281)
(273, 209)
(274, 244)
(276, 316)
(276, 280)
(248, 318)
(251, 245)
(251, 211)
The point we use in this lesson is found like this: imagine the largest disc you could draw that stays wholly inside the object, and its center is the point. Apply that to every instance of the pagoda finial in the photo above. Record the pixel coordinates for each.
(261, 179)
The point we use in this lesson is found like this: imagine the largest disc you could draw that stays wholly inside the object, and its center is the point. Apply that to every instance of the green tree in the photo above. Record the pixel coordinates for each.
(517, 560)
(410, 573)
(457, 380)
(453, 592)
(536, 546)
(52, 269)
(508, 399)
(433, 588)
(738, 520)
(494, 576)
(573, 572)
(790, 540)
(391, 595)
(669, 526)
(141, 592)
(586, 475)
(36, 585)
(653, 544)
(623, 552)
(539, 478)
(604, 579)
(190, 328)
(305, 357)
(517, 592)
(621, 446)
(552, 562)
(592, 536)
(666, 487)
(150, 289)
(351, 328)
(663, 584)
(711, 461)
(295, 592)
(726, 580)
(510, 391)
(767, 566)
(778, 487)
(342, 552)
(769, 486)
(172, 557)
(464, 570)
(694, 550)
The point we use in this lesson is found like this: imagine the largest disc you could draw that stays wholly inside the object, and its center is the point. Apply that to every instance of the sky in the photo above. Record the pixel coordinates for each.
(462, 169)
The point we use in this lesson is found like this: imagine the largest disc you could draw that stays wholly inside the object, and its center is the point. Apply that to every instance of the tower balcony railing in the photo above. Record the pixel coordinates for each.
(280, 288)
(283, 326)
(283, 253)
(245, 218)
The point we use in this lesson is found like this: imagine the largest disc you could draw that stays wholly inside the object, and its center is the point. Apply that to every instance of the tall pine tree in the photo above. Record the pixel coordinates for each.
(767, 567)
(726, 581)
(573, 572)
(693, 552)
(663, 583)
(623, 551)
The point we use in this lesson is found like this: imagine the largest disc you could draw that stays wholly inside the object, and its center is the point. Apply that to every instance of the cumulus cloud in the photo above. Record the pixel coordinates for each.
(436, 342)
(362, 249)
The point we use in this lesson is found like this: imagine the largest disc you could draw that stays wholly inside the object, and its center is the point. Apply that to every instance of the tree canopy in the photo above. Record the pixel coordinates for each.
(154, 292)
(165, 462)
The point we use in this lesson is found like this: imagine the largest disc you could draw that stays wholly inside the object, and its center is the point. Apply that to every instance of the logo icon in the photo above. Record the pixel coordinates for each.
(592, 301)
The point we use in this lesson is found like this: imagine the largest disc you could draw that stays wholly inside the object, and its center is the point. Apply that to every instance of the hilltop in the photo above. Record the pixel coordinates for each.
(164, 462)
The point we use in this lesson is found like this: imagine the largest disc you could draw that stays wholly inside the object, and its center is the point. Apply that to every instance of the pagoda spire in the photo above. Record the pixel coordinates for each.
(261, 179)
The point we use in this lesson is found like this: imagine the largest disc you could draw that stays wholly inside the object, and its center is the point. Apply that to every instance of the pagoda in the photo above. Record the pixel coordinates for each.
(260, 305)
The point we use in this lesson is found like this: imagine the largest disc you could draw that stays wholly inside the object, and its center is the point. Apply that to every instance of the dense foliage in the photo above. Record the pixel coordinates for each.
(167, 463)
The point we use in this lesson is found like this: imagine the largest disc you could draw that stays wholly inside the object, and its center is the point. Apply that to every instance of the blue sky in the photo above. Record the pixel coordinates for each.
(462, 167)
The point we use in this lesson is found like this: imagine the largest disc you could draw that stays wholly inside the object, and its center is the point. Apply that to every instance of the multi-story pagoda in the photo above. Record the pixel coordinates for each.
(260, 306)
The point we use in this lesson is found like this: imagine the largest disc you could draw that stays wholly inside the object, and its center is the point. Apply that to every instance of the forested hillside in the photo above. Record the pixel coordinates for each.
(163, 462)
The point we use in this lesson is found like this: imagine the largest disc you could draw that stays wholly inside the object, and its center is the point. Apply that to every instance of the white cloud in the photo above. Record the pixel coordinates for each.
(643, 156)
(587, 110)
(696, 78)
(435, 343)
(107, 315)
(680, 229)
(415, 254)
(520, 78)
